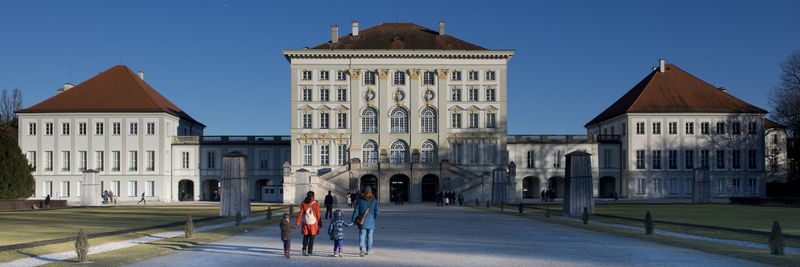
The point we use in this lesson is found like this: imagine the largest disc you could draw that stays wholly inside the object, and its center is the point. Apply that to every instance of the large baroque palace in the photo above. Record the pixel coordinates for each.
(409, 111)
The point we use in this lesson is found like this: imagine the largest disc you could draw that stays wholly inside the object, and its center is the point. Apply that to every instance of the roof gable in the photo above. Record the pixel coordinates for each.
(399, 36)
(117, 89)
(675, 91)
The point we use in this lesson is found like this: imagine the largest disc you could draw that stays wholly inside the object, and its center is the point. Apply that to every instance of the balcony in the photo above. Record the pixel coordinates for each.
(563, 139)
(232, 139)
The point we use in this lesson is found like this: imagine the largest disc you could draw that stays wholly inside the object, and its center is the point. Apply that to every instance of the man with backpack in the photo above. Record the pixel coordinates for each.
(364, 214)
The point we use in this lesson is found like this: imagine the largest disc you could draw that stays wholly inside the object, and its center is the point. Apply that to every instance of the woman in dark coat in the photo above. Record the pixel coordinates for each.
(365, 202)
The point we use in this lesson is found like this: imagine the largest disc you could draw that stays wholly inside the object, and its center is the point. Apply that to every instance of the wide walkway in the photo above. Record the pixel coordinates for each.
(424, 235)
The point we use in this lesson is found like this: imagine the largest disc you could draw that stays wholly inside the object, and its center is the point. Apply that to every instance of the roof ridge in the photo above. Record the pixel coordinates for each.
(649, 79)
(137, 80)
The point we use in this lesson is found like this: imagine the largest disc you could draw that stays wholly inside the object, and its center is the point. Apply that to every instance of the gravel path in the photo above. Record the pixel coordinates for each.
(424, 235)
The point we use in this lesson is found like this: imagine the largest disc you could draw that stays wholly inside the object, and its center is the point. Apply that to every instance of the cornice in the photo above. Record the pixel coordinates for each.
(409, 53)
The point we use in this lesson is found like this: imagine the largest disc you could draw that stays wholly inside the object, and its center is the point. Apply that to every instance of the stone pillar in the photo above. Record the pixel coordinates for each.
(701, 186)
(302, 180)
(235, 186)
(90, 189)
(288, 184)
(578, 184)
(499, 186)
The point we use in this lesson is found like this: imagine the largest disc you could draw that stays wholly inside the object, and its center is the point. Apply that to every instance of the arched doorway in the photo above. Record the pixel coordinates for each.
(430, 185)
(398, 187)
(556, 184)
(530, 187)
(211, 190)
(608, 186)
(372, 181)
(262, 192)
(186, 190)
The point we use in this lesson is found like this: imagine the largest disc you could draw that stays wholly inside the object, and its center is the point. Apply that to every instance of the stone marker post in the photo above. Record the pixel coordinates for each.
(90, 189)
(701, 186)
(578, 190)
(235, 189)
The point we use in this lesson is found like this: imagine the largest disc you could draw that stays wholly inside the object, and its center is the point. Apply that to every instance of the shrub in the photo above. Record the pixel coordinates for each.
(188, 230)
(238, 218)
(82, 246)
(648, 223)
(16, 180)
(776, 239)
(585, 216)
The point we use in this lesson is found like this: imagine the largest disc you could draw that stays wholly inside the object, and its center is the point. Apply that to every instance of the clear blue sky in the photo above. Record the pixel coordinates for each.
(220, 61)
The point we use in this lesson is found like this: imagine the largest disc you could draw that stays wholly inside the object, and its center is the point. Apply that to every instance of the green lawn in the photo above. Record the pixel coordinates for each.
(722, 215)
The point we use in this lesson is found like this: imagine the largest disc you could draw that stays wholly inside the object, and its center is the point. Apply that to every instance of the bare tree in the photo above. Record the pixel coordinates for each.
(785, 98)
(9, 105)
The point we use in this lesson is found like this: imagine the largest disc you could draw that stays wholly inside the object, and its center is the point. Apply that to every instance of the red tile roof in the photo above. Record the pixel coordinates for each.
(117, 89)
(675, 91)
(769, 124)
(399, 36)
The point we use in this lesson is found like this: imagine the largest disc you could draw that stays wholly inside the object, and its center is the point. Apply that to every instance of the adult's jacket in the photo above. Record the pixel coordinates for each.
(309, 229)
(361, 207)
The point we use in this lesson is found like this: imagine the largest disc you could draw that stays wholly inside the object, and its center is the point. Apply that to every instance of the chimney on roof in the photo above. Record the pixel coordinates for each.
(441, 27)
(68, 86)
(355, 28)
(661, 65)
(141, 75)
(334, 34)
(723, 89)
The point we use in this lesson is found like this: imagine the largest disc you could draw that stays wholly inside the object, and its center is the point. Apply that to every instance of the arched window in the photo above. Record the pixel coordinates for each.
(399, 121)
(428, 152)
(428, 123)
(399, 152)
(369, 152)
(369, 121)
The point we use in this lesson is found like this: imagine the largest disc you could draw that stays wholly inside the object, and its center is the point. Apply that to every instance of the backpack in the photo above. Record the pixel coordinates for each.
(308, 216)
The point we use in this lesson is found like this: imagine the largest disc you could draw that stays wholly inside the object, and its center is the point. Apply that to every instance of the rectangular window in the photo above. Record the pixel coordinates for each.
(31, 157)
(673, 159)
(673, 128)
(369, 77)
(557, 159)
(640, 128)
(48, 188)
(531, 160)
(323, 75)
(134, 128)
(606, 158)
(48, 160)
(690, 128)
(306, 75)
(752, 184)
(473, 120)
(721, 185)
(263, 160)
(491, 153)
(428, 78)
(211, 160)
(456, 95)
(473, 94)
(185, 160)
(704, 158)
(491, 121)
(32, 128)
(151, 128)
(736, 127)
(341, 120)
(150, 160)
(640, 159)
(78, 189)
(307, 94)
(774, 139)
(399, 78)
(736, 157)
(150, 189)
(115, 188)
(132, 190)
(490, 75)
(82, 160)
(324, 94)
(65, 160)
(133, 160)
(656, 128)
(48, 128)
(490, 94)
(474, 157)
(641, 186)
(622, 129)
(657, 186)
(65, 128)
(624, 160)
(115, 128)
(307, 155)
(341, 75)
(673, 186)
(64, 188)
(307, 121)
(689, 159)
(751, 159)
(341, 95)
(737, 185)
(720, 159)
(656, 159)
(341, 154)
(98, 128)
(704, 128)
(456, 120)
(473, 75)
(751, 128)
(324, 155)
(687, 185)
(720, 127)
(82, 128)
(456, 76)
(98, 160)
(324, 120)
(457, 153)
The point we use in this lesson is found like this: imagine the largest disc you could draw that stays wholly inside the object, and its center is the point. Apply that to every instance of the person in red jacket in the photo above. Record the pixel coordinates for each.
(309, 218)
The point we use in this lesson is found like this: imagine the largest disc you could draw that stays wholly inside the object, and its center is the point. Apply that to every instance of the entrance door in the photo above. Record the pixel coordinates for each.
(430, 184)
(186, 190)
(398, 187)
(371, 181)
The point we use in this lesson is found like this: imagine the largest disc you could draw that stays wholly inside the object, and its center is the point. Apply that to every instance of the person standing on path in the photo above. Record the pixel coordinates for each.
(328, 205)
(364, 214)
(460, 200)
(142, 200)
(47, 202)
(286, 234)
(349, 200)
(309, 218)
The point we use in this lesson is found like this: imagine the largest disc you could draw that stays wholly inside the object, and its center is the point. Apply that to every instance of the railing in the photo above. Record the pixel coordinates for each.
(568, 138)
(238, 139)
(185, 139)
(369, 165)
(333, 173)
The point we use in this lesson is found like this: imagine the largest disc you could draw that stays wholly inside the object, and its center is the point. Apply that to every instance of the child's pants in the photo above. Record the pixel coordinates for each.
(337, 245)
(287, 245)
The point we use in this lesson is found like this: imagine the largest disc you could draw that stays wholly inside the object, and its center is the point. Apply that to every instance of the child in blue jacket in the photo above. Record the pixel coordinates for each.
(336, 232)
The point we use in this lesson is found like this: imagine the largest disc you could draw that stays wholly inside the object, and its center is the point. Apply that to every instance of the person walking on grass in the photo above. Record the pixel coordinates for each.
(328, 205)
(142, 200)
(286, 234)
(309, 218)
(336, 232)
(364, 214)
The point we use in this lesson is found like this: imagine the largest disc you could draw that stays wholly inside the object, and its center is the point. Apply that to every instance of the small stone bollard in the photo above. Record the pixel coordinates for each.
(585, 216)
(476, 202)
(269, 212)
(291, 210)
(547, 213)
(487, 204)
(82, 246)
(520, 207)
(502, 205)
(648, 223)
(776, 243)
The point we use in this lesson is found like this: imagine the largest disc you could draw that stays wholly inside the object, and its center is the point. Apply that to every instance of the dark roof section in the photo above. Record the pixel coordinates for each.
(769, 124)
(399, 36)
(117, 89)
(674, 91)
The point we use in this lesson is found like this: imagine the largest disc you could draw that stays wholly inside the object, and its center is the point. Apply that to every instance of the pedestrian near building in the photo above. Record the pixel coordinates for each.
(336, 232)
(328, 205)
(142, 200)
(47, 202)
(364, 214)
(286, 234)
(460, 200)
(349, 200)
(309, 218)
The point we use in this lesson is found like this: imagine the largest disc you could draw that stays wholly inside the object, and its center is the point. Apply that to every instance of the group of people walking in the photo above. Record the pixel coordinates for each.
(365, 211)
(446, 198)
(108, 197)
(548, 195)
